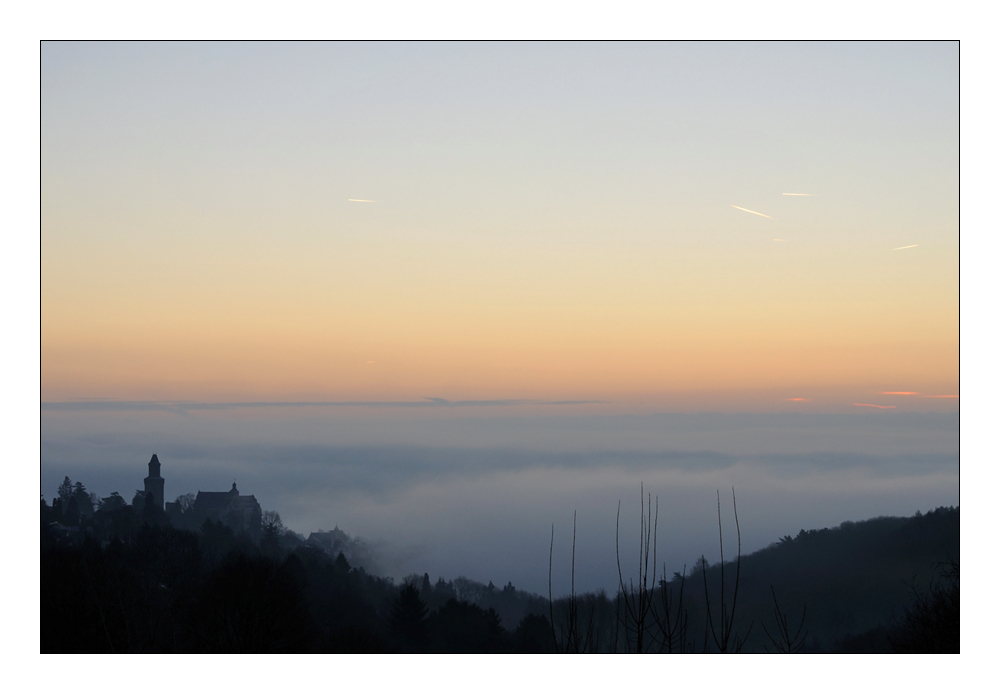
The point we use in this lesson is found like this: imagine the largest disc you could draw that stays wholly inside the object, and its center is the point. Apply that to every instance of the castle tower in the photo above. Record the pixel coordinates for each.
(154, 483)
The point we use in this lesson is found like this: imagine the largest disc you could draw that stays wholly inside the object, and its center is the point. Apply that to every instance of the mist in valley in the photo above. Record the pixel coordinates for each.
(470, 491)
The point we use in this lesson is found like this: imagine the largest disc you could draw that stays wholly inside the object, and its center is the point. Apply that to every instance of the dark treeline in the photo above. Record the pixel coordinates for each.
(878, 586)
(118, 579)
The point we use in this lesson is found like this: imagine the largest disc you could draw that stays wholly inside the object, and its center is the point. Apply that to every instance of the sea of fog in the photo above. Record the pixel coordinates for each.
(480, 490)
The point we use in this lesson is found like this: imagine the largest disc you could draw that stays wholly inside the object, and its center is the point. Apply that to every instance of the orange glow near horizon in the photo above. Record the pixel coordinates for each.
(540, 355)
(273, 343)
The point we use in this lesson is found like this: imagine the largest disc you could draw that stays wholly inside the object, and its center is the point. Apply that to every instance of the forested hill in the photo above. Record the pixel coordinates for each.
(855, 582)
(134, 583)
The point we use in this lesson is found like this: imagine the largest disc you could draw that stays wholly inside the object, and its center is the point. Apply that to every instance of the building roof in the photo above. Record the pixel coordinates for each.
(212, 502)
(220, 502)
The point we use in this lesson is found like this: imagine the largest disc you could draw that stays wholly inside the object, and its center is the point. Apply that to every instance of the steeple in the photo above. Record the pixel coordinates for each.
(154, 483)
(154, 466)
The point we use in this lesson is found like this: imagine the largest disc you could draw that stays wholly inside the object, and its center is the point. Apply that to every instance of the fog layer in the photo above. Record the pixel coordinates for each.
(476, 489)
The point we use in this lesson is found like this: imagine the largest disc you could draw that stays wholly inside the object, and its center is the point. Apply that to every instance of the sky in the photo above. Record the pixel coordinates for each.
(441, 295)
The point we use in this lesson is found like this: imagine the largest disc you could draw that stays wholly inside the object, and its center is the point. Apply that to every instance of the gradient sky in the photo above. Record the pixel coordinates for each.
(443, 295)
(550, 221)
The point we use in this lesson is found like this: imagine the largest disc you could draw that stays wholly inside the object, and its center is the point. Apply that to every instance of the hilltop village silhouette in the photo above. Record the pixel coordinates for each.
(241, 512)
(75, 514)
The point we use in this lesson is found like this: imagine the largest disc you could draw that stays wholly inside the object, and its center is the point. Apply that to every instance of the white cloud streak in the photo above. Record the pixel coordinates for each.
(751, 211)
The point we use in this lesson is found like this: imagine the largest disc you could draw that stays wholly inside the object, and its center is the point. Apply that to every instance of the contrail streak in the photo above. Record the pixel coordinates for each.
(899, 392)
(751, 211)
(356, 200)
(881, 407)
(902, 247)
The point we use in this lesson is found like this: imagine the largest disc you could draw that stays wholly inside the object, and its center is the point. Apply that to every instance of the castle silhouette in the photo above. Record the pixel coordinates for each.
(240, 512)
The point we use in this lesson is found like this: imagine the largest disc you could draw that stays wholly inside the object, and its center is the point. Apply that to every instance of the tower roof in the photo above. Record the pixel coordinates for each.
(154, 468)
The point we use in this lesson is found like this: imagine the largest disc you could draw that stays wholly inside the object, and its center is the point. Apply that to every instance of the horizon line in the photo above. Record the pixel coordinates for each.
(184, 405)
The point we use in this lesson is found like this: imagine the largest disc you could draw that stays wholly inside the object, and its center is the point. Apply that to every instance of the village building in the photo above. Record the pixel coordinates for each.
(240, 512)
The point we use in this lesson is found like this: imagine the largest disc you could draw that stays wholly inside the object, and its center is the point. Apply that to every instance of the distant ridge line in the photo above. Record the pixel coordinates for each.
(181, 405)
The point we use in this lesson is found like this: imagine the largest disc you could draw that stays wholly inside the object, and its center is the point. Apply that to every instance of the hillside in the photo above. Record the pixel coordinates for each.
(851, 579)
(126, 582)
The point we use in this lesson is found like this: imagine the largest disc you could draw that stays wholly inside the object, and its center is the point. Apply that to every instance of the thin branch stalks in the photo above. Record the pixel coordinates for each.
(726, 639)
(673, 629)
(568, 640)
(785, 642)
(637, 597)
(552, 620)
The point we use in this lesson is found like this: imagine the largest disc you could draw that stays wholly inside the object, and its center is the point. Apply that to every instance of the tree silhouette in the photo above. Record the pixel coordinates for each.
(533, 635)
(272, 530)
(250, 605)
(461, 627)
(408, 619)
(112, 503)
(931, 623)
(65, 490)
(71, 515)
(217, 538)
(83, 501)
(185, 502)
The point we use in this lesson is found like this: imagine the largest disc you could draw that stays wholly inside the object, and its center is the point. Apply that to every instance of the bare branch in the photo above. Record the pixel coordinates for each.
(727, 639)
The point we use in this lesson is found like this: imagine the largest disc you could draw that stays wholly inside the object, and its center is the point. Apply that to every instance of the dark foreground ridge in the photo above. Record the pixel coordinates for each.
(119, 577)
